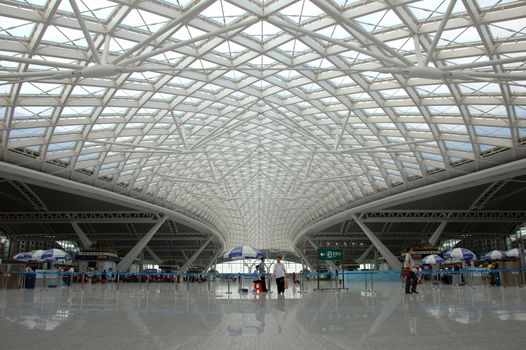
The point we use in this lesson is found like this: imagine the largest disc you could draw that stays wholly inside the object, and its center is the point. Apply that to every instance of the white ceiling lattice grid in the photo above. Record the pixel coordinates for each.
(261, 117)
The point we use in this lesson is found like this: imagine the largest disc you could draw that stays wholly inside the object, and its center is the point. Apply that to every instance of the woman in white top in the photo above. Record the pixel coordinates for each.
(410, 282)
(279, 274)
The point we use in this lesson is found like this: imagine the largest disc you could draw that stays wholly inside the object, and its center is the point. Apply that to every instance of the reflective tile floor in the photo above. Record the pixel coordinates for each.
(155, 317)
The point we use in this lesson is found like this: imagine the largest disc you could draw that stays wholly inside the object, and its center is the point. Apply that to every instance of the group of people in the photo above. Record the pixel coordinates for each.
(279, 275)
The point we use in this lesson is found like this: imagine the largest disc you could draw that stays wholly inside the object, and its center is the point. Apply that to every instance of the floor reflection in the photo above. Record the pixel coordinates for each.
(200, 319)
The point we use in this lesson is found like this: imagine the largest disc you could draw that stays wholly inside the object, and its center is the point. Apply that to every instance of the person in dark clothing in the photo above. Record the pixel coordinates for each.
(261, 268)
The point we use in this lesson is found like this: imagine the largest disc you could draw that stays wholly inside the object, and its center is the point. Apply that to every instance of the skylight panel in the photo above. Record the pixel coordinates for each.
(61, 146)
(492, 131)
(29, 132)
(484, 4)
(181, 82)
(167, 57)
(458, 36)
(444, 110)
(67, 36)
(294, 47)
(321, 63)
(28, 112)
(234, 75)
(393, 93)
(128, 93)
(428, 9)
(335, 32)
(15, 27)
(416, 126)
(144, 20)
(103, 127)
(458, 146)
(160, 96)
(478, 88)
(302, 11)
(488, 110)
(288, 74)
(68, 129)
(403, 45)
(88, 156)
(41, 89)
(187, 32)
(84, 90)
(119, 111)
(262, 30)
(145, 76)
(100, 9)
(430, 90)
(118, 45)
(453, 128)
(262, 60)
(379, 20)
(229, 48)
(515, 29)
(223, 12)
(520, 111)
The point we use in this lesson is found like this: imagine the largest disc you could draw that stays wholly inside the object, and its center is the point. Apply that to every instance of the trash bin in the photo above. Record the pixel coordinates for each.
(30, 281)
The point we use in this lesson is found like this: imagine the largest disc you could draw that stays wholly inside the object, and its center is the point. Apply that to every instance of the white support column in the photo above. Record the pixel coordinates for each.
(86, 243)
(194, 256)
(436, 235)
(125, 263)
(153, 255)
(382, 249)
(365, 254)
(305, 260)
(214, 258)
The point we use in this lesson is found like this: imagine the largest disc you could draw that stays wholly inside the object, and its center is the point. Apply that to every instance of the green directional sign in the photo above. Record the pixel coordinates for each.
(330, 254)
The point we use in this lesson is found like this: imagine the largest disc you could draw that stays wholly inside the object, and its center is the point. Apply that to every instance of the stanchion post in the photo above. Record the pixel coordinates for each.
(228, 285)
(343, 279)
(44, 282)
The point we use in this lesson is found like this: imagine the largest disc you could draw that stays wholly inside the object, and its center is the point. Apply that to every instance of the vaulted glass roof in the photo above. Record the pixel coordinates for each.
(258, 117)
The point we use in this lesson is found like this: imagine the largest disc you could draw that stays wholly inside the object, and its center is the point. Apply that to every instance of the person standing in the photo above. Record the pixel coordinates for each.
(410, 281)
(279, 274)
(261, 273)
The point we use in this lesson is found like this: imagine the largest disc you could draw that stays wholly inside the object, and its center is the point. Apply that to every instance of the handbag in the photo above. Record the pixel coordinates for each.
(405, 272)
(286, 284)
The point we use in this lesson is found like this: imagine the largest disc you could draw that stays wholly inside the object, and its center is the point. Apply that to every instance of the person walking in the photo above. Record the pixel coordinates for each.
(410, 281)
(261, 269)
(279, 274)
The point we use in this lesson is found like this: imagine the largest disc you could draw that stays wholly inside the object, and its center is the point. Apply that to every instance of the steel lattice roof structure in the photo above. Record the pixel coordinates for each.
(260, 118)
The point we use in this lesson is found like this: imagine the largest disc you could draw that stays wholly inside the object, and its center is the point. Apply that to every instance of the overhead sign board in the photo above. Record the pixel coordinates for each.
(330, 254)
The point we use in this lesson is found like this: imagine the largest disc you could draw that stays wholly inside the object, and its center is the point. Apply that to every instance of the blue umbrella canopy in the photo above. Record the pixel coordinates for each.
(432, 259)
(24, 256)
(55, 254)
(243, 252)
(514, 253)
(461, 254)
(495, 255)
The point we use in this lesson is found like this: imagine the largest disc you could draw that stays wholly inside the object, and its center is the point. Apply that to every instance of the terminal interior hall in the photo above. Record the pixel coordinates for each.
(262, 174)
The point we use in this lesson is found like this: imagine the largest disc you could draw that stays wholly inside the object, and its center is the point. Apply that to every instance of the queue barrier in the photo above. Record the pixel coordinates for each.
(468, 277)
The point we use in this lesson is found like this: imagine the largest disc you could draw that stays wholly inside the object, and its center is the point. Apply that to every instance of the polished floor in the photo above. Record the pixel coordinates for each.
(155, 316)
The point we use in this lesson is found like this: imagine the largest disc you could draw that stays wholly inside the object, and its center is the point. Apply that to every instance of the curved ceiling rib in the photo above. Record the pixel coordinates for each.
(261, 118)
